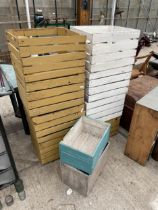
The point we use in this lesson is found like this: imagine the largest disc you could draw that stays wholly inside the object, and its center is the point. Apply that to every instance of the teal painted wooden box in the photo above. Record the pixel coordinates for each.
(84, 143)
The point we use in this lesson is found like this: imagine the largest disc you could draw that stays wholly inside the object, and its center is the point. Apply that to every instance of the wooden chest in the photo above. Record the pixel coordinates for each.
(144, 128)
(80, 181)
(50, 71)
(109, 61)
(84, 143)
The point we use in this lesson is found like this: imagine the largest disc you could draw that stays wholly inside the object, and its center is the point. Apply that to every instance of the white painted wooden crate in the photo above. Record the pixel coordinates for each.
(103, 48)
(97, 34)
(110, 57)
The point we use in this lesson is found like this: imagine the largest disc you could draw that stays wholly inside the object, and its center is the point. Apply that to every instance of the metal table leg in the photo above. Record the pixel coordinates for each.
(23, 115)
(18, 182)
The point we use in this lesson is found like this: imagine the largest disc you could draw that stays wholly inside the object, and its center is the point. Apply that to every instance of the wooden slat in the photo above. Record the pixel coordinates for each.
(107, 112)
(28, 51)
(51, 59)
(56, 99)
(51, 40)
(58, 121)
(55, 107)
(51, 158)
(57, 31)
(41, 85)
(55, 150)
(55, 66)
(37, 32)
(49, 145)
(58, 114)
(54, 92)
(104, 108)
(53, 74)
(54, 129)
(109, 80)
(50, 149)
(49, 137)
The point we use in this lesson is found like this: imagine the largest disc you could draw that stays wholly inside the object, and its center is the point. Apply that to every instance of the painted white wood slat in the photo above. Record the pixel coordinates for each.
(111, 47)
(108, 80)
(105, 107)
(107, 94)
(98, 59)
(105, 88)
(106, 112)
(111, 116)
(110, 64)
(102, 74)
(103, 101)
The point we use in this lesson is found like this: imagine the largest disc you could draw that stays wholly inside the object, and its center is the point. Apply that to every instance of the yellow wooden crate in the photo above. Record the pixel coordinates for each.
(47, 58)
(114, 125)
(49, 65)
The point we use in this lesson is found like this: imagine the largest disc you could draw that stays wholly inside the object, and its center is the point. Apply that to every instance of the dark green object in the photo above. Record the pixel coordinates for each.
(19, 186)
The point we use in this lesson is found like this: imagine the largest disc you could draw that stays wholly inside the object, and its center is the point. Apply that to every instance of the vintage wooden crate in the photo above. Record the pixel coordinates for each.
(80, 181)
(50, 71)
(144, 128)
(84, 143)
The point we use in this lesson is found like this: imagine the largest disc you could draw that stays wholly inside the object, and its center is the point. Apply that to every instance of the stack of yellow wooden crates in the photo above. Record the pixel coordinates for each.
(49, 65)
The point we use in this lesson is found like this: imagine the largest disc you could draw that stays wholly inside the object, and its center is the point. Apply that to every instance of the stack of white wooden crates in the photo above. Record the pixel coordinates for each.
(110, 57)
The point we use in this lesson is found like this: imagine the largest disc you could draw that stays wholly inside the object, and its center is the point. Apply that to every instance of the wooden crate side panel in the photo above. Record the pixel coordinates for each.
(103, 48)
(49, 150)
(52, 136)
(110, 72)
(58, 114)
(108, 80)
(55, 107)
(121, 85)
(110, 116)
(51, 59)
(110, 57)
(28, 51)
(55, 100)
(110, 64)
(53, 74)
(106, 112)
(107, 94)
(105, 107)
(45, 145)
(50, 158)
(54, 129)
(58, 121)
(41, 85)
(54, 92)
(104, 101)
(51, 40)
(55, 66)
(143, 130)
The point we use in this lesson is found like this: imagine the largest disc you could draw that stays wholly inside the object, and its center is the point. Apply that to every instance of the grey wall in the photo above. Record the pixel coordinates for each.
(135, 15)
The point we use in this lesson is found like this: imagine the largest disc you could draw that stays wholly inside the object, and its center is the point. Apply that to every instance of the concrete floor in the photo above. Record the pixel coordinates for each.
(123, 183)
